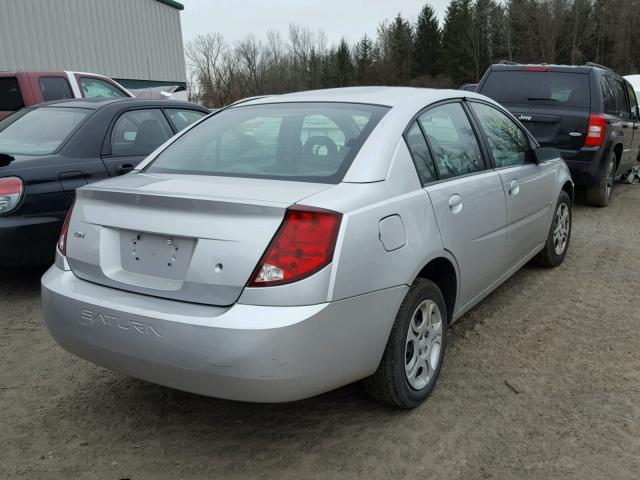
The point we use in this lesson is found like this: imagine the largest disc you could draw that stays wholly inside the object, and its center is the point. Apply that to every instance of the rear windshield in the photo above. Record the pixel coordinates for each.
(550, 88)
(10, 96)
(314, 142)
(39, 131)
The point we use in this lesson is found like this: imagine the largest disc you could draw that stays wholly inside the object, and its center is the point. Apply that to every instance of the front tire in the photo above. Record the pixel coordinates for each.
(557, 244)
(413, 356)
(599, 195)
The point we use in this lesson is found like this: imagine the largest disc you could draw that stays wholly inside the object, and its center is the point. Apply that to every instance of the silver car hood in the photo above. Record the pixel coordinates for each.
(185, 237)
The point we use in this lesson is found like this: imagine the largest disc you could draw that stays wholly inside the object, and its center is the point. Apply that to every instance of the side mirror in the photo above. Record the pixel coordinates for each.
(544, 154)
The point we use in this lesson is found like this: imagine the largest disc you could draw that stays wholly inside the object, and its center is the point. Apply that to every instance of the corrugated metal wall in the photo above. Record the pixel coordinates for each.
(135, 39)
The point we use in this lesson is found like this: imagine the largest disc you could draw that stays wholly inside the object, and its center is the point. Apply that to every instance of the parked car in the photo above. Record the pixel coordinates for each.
(290, 245)
(47, 151)
(23, 89)
(589, 112)
(468, 87)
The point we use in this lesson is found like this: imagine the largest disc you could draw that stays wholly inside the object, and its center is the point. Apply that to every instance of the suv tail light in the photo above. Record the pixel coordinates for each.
(11, 189)
(62, 241)
(596, 130)
(302, 246)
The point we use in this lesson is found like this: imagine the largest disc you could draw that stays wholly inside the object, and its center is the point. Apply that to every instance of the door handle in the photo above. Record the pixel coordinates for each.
(514, 187)
(123, 168)
(455, 203)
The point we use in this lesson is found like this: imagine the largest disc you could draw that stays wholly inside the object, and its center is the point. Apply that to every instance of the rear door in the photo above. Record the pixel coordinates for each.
(528, 186)
(553, 105)
(468, 198)
(134, 135)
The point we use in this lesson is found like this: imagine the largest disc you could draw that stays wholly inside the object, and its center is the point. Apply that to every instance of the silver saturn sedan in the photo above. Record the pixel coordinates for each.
(289, 245)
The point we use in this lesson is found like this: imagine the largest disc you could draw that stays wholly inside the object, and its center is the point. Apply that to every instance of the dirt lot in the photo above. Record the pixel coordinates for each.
(542, 380)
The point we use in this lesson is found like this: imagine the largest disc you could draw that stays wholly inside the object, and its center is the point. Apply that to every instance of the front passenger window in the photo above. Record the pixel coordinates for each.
(452, 141)
(507, 142)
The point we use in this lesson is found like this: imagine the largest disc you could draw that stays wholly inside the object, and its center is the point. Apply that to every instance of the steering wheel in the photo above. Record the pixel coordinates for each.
(313, 144)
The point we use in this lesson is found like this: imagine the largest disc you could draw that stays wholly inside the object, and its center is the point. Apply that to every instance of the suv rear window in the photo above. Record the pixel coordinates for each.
(549, 88)
(314, 142)
(10, 95)
(39, 131)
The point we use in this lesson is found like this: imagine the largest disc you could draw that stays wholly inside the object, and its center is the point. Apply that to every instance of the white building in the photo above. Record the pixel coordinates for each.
(136, 42)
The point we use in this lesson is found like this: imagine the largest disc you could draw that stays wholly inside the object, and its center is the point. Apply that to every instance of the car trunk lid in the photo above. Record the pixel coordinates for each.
(184, 237)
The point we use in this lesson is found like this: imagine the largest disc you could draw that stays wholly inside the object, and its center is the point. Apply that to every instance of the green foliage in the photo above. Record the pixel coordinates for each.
(472, 35)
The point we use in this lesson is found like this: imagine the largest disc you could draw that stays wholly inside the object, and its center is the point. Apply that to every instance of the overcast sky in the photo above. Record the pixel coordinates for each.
(338, 18)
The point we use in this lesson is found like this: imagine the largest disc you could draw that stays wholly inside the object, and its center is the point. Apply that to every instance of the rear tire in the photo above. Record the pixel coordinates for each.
(555, 249)
(599, 195)
(413, 356)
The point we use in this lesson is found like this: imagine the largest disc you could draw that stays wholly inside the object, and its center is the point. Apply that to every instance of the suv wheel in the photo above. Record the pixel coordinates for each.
(599, 194)
(555, 249)
(413, 357)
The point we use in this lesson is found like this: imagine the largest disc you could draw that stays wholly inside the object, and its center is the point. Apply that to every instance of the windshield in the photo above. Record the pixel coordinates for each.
(39, 131)
(313, 142)
(531, 87)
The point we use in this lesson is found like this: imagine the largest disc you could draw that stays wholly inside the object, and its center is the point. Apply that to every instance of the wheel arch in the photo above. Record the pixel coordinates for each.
(442, 270)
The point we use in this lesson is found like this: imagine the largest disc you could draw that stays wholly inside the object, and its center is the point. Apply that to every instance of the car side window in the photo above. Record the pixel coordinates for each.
(608, 95)
(632, 100)
(507, 142)
(420, 153)
(55, 88)
(621, 98)
(181, 119)
(453, 143)
(94, 87)
(139, 132)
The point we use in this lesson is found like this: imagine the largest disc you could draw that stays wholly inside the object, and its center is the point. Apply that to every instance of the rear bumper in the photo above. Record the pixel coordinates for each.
(245, 352)
(29, 240)
(585, 165)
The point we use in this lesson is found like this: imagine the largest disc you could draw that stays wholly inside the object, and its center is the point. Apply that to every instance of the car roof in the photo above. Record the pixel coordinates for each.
(125, 102)
(387, 96)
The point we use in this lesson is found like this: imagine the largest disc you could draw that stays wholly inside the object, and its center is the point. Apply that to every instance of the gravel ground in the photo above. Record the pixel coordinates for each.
(541, 380)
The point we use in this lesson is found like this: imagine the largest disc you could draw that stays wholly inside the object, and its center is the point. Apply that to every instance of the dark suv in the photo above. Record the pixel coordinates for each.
(588, 112)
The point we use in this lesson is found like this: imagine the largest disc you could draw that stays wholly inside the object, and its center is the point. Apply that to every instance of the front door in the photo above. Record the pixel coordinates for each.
(468, 199)
(527, 185)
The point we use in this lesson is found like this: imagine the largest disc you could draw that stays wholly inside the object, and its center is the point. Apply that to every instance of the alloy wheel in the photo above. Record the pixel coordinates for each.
(561, 228)
(423, 344)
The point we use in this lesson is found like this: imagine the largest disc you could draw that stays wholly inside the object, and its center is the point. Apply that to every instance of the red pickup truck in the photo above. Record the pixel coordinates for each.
(22, 89)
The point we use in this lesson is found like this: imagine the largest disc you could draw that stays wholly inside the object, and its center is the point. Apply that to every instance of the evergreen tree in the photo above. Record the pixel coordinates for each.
(363, 54)
(457, 51)
(427, 43)
(343, 64)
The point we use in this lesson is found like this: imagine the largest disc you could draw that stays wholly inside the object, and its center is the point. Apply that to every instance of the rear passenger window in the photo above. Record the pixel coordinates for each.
(507, 142)
(139, 132)
(452, 141)
(632, 100)
(608, 95)
(420, 154)
(621, 97)
(10, 96)
(55, 88)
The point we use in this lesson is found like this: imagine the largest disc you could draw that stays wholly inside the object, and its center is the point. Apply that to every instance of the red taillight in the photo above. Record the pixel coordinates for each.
(537, 69)
(302, 246)
(596, 130)
(11, 189)
(62, 241)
